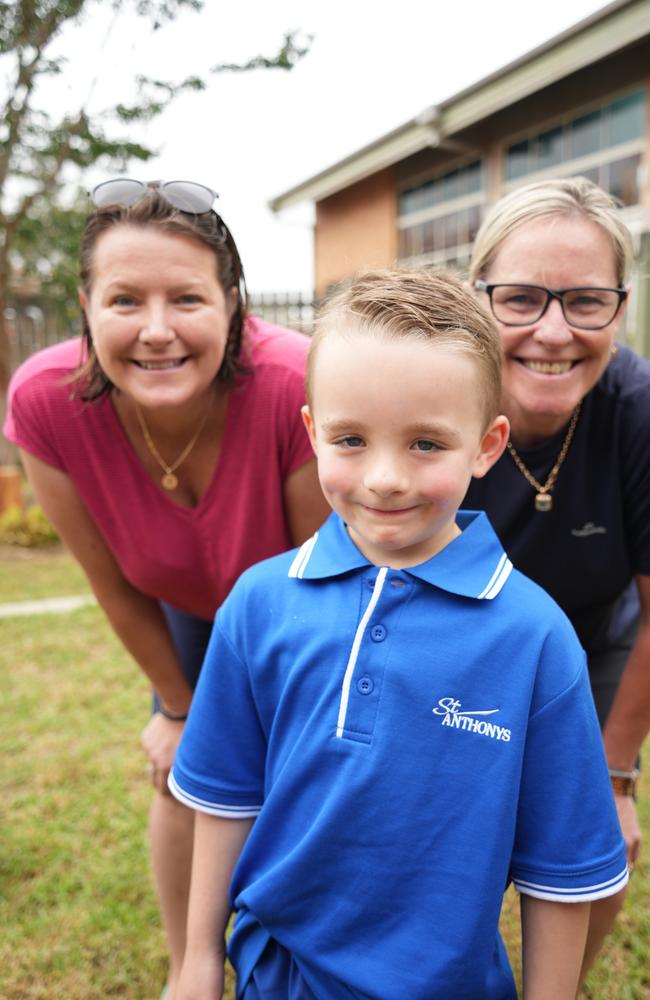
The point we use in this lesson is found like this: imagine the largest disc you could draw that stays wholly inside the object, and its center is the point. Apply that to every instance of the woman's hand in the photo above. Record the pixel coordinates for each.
(160, 738)
(629, 820)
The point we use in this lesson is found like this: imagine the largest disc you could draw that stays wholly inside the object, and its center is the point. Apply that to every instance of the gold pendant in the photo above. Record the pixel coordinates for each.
(169, 481)
(543, 502)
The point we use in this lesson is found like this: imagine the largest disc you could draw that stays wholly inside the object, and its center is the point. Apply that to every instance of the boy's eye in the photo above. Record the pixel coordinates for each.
(351, 441)
(424, 445)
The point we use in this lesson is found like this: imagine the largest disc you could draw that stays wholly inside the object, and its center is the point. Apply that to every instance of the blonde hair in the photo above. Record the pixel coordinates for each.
(563, 197)
(422, 304)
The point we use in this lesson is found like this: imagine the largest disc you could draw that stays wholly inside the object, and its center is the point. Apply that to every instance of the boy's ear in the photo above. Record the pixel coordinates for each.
(309, 424)
(492, 446)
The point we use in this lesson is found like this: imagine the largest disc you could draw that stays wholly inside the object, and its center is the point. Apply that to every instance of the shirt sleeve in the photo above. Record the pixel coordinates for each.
(568, 844)
(31, 421)
(635, 444)
(219, 764)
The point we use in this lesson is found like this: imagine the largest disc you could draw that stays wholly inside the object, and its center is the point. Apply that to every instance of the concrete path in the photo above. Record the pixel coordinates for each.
(50, 605)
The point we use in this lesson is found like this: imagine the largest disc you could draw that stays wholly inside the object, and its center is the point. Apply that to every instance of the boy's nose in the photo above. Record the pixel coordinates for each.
(385, 478)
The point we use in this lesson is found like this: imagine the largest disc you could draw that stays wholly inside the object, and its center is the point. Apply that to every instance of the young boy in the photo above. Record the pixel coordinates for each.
(405, 718)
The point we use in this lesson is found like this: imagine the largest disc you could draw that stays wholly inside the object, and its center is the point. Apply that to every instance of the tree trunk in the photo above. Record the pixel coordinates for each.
(8, 452)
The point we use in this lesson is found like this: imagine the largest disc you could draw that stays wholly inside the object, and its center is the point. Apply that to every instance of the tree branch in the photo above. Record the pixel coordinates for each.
(290, 53)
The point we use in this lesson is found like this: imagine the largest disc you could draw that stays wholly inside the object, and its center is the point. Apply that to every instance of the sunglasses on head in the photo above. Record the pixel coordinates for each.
(185, 196)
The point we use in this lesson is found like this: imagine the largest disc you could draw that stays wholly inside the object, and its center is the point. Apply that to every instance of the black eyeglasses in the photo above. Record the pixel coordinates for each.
(186, 196)
(584, 308)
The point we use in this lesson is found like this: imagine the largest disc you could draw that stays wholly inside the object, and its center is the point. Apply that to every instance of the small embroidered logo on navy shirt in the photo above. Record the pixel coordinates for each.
(588, 529)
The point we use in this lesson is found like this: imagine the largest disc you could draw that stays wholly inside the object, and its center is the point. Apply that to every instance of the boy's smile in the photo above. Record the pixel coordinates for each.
(398, 429)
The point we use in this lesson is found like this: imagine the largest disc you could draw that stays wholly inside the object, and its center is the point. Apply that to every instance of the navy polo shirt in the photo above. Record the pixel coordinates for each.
(409, 740)
(587, 549)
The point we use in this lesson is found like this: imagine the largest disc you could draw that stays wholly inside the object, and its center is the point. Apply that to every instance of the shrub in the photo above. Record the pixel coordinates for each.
(28, 527)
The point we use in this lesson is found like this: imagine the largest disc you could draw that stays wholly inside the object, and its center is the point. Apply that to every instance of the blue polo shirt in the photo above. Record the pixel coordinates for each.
(409, 741)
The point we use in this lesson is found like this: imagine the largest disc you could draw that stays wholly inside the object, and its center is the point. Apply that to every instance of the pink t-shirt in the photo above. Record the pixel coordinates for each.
(189, 558)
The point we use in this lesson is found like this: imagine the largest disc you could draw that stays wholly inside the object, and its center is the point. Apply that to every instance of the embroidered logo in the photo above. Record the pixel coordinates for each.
(588, 529)
(452, 715)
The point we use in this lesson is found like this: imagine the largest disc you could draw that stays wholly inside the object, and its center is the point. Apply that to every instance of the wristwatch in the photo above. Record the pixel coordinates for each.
(623, 782)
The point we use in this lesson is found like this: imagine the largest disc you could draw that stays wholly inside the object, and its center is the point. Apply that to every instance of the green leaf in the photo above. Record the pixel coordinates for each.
(290, 53)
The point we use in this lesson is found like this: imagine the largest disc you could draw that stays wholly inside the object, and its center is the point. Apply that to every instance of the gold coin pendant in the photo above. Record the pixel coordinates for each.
(169, 481)
(543, 502)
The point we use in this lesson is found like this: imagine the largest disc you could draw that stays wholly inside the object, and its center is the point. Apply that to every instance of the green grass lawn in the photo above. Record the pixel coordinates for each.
(77, 908)
(31, 574)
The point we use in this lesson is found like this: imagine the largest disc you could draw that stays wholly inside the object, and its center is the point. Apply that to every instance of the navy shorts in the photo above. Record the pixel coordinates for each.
(190, 636)
(608, 657)
(276, 977)
(605, 671)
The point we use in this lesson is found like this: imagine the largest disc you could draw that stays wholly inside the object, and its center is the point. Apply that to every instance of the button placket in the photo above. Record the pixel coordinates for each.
(365, 684)
(371, 663)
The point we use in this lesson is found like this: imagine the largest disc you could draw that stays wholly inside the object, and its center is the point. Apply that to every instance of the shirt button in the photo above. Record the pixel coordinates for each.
(365, 684)
(377, 633)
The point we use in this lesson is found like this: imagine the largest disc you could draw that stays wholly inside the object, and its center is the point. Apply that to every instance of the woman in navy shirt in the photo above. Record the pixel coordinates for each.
(570, 497)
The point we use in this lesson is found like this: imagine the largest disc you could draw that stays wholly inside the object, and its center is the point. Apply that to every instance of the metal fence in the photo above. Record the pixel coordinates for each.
(286, 309)
(31, 326)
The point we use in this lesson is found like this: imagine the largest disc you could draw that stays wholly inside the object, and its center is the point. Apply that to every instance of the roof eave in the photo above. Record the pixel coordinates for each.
(595, 37)
(414, 135)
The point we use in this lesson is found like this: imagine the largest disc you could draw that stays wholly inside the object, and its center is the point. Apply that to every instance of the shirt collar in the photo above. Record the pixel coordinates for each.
(473, 565)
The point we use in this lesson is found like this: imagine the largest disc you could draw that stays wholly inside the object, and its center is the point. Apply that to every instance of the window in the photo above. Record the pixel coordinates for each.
(517, 160)
(453, 184)
(626, 118)
(591, 139)
(472, 178)
(441, 215)
(427, 237)
(585, 135)
(474, 218)
(549, 149)
(623, 179)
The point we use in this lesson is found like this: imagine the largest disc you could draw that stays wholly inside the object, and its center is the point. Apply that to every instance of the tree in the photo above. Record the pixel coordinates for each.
(38, 150)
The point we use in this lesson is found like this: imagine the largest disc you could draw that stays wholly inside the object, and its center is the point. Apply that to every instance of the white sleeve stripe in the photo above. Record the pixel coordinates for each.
(302, 557)
(497, 580)
(354, 652)
(597, 885)
(567, 895)
(213, 808)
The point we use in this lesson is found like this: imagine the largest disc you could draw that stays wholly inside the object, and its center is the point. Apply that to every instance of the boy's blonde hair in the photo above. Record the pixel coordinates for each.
(570, 196)
(423, 304)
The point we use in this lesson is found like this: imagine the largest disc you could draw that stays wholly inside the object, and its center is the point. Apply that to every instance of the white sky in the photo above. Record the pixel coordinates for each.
(372, 66)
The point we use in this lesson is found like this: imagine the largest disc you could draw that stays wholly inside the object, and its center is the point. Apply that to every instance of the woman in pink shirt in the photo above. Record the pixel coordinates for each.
(168, 450)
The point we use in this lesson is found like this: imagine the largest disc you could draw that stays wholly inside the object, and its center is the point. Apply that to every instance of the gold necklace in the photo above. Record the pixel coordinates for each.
(543, 499)
(169, 481)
